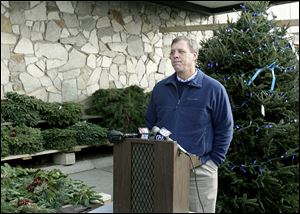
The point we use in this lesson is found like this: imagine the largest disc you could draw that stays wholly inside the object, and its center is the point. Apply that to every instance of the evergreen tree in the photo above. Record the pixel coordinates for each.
(255, 61)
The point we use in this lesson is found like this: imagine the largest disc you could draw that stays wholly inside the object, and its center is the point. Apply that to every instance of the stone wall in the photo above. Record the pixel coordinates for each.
(65, 50)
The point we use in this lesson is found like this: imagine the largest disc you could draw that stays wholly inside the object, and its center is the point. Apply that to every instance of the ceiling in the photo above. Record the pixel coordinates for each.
(208, 8)
(215, 4)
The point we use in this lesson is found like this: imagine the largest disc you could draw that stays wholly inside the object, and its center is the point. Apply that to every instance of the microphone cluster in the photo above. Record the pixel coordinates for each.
(156, 133)
(159, 134)
(164, 134)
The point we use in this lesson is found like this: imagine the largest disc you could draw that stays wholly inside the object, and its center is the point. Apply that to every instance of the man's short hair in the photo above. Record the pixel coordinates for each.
(191, 43)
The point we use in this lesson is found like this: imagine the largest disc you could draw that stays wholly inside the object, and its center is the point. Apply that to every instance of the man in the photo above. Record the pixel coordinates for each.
(196, 109)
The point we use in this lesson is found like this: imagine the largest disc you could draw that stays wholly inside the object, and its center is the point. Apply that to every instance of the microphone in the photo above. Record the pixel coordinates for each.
(153, 132)
(144, 132)
(115, 136)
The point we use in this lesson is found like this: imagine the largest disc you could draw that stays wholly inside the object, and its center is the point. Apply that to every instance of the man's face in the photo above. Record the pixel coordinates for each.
(182, 59)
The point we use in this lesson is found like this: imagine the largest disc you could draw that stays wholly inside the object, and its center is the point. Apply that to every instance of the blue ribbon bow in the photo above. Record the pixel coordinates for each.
(270, 67)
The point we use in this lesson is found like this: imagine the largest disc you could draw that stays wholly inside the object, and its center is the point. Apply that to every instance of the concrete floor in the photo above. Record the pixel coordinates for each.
(94, 168)
(101, 177)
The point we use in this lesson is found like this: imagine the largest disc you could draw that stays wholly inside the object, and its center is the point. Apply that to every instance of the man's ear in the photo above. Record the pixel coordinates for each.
(195, 56)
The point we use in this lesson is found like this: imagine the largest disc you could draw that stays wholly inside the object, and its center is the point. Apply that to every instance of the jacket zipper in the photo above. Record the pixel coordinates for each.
(178, 103)
(176, 114)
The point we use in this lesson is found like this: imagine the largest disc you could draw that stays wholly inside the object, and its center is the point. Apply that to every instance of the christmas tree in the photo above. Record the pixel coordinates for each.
(255, 61)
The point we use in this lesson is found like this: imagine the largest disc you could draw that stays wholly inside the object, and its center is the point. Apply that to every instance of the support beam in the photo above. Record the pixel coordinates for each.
(291, 22)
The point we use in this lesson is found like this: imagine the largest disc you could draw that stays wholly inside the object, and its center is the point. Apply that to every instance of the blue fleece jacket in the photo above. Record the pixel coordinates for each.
(201, 120)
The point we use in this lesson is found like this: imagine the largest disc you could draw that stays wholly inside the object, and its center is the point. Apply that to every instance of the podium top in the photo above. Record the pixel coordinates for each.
(139, 140)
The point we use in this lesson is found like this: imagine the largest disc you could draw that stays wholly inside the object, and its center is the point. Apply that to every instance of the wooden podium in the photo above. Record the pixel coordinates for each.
(150, 176)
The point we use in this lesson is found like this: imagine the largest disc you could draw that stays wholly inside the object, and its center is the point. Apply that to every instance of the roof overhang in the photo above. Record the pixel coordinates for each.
(208, 8)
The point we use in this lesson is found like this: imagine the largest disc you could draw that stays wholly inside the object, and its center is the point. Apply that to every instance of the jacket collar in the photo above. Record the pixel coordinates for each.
(196, 82)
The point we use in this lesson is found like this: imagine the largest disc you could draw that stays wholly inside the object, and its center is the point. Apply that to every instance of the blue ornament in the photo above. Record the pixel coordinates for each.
(289, 46)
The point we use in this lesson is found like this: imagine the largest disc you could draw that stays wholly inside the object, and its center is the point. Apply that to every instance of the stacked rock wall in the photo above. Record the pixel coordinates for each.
(65, 50)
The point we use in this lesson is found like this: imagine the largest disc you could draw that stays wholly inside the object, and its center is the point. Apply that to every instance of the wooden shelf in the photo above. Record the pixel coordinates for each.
(84, 117)
(29, 156)
(6, 124)
(87, 117)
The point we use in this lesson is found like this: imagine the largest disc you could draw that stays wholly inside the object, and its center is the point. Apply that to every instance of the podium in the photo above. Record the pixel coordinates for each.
(150, 177)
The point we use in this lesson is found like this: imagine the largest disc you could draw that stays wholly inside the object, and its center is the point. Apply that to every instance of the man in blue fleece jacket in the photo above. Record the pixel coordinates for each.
(196, 109)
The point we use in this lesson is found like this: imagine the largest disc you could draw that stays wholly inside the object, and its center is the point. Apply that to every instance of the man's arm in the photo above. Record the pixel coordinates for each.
(150, 115)
(223, 126)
